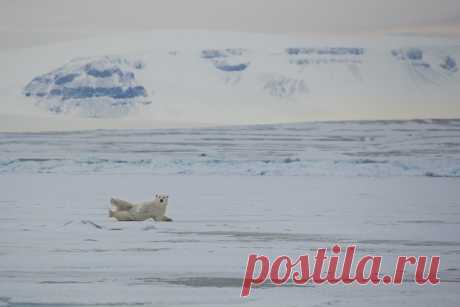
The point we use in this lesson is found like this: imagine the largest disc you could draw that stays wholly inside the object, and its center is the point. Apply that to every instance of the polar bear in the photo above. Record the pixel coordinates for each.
(123, 210)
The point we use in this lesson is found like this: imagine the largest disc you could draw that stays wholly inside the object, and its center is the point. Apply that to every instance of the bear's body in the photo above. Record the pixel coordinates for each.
(123, 210)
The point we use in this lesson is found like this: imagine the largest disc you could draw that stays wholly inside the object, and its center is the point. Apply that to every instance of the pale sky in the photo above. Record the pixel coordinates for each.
(25, 23)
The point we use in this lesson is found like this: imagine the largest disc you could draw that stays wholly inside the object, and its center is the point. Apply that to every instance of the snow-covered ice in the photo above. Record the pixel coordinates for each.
(361, 148)
(58, 245)
(390, 187)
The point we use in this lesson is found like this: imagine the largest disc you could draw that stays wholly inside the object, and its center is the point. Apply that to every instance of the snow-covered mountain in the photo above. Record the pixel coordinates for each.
(94, 87)
(226, 78)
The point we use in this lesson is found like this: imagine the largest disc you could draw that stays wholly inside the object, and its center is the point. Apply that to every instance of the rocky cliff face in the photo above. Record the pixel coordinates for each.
(95, 87)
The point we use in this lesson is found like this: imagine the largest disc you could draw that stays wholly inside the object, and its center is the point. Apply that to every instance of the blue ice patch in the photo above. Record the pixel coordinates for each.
(449, 64)
(65, 79)
(414, 54)
(104, 73)
(115, 92)
(326, 51)
(212, 54)
(230, 68)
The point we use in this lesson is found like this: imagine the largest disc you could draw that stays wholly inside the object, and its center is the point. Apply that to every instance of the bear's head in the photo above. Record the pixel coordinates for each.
(162, 198)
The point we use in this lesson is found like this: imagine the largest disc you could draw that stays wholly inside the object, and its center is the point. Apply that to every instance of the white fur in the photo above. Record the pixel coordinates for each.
(123, 210)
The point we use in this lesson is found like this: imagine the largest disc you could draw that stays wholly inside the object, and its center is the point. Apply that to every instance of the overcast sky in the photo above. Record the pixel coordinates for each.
(24, 23)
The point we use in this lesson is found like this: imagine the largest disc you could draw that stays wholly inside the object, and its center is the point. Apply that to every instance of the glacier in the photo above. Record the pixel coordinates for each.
(182, 79)
(116, 86)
